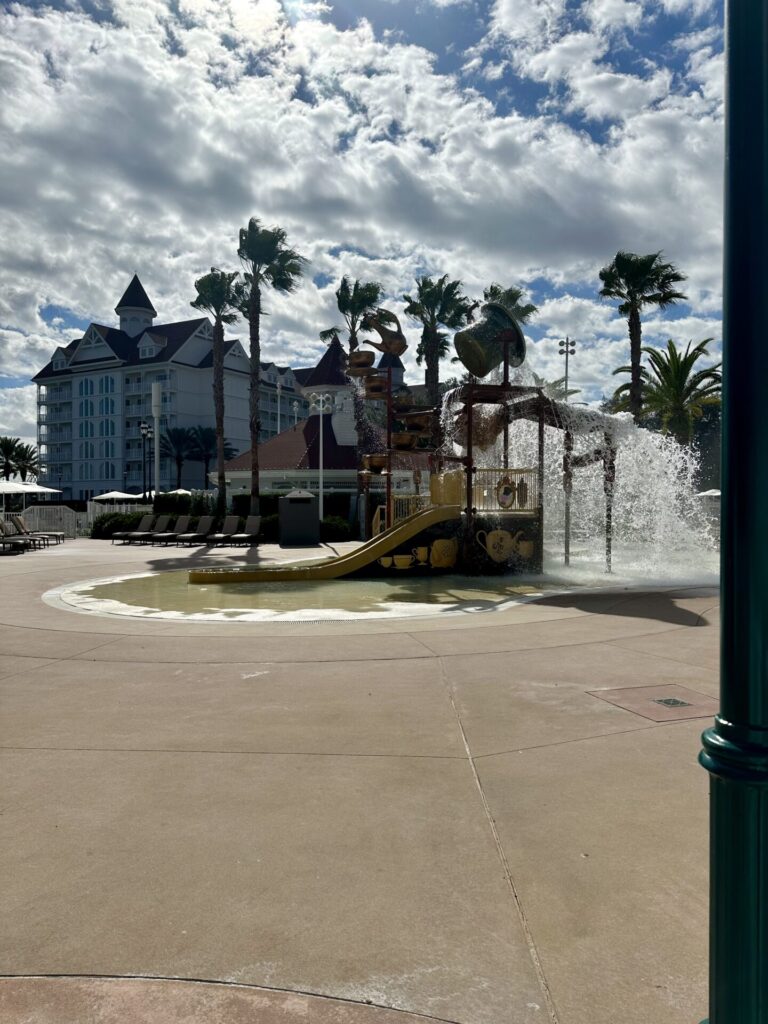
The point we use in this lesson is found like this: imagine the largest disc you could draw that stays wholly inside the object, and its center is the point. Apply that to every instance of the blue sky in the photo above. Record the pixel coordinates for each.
(519, 141)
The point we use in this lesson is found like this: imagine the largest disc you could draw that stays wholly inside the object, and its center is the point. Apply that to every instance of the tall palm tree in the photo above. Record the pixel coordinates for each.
(353, 303)
(268, 261)
(26, 462)
(437, 304)
(9, 447)
(219, 294)
(672, 390)
(638, 281)
(205, 448)
(177, 444)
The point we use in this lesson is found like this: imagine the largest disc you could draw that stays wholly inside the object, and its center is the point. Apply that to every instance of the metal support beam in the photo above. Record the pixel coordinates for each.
(736, 749)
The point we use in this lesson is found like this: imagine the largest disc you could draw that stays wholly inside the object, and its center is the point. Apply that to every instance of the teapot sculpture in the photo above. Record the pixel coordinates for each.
(500, 545)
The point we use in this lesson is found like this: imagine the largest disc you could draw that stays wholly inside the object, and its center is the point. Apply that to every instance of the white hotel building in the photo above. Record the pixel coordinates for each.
(95, 392)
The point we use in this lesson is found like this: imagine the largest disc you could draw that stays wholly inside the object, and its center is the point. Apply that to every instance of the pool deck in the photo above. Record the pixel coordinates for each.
(349, 822)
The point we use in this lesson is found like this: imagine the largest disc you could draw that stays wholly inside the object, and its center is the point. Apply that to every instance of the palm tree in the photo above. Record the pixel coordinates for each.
(267, 261)
(205, 448)
(9, 447)
(672, 390)
(219, 294)
(554, 389)
(353, 303)
(26, 461)
(510, 298)
(438, 303)
(638, 281)
(177, 443)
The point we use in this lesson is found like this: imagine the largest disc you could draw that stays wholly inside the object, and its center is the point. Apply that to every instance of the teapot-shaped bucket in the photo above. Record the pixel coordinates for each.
(480, 347)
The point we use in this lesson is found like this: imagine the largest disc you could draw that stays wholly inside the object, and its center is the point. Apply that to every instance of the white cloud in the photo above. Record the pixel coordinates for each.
(144, 144)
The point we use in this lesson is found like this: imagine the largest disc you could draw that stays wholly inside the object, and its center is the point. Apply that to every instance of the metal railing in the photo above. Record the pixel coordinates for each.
(506, 490)
(406, 505)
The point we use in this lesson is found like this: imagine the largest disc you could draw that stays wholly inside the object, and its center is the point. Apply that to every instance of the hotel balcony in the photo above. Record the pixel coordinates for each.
(55, 416)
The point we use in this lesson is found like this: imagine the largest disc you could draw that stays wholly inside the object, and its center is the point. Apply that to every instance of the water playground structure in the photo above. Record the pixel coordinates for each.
(483, 514)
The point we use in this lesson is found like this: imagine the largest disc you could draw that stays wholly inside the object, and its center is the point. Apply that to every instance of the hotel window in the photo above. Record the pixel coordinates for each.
(106, 428)
(106, 385)
(86, 430)
(106, 406)
(86, 407)
(107, 449)
(85, 386)
(86, 449)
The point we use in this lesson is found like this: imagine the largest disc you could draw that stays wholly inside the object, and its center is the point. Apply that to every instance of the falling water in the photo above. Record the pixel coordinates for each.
(661, 530)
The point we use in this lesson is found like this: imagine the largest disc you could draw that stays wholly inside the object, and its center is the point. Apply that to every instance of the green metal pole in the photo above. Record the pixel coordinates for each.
(736, 748)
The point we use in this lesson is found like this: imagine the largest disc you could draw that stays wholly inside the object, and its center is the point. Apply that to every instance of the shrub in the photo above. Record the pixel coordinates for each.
(172, 504)
(111, 522)
(334, 528)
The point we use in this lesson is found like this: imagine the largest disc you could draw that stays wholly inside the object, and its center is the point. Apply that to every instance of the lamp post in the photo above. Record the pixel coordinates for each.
(279, 395)
(320, 402)
(295, 407)
(146, 435)
(567, 348)
(736, 748)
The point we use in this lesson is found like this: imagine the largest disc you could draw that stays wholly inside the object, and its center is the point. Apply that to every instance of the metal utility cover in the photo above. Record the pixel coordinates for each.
(661, 703)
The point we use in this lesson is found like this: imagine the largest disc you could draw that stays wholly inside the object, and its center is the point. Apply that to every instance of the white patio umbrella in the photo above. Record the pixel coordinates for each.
(20, 487)
(179, 490)
(116, 496)
(709, 494)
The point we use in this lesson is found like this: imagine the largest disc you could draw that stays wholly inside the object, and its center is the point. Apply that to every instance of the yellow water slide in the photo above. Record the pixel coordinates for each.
(343, 565)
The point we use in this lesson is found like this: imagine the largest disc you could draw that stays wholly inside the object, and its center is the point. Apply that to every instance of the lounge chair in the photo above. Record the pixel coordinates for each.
(48, 535)
(182, 525)
(228, 529)
(145, 536)
(204, 527)
(14, 529)
(13, 540)
(251, 532)
(145, 524)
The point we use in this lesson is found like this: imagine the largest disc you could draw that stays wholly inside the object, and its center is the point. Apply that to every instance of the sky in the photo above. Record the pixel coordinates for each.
(522, 142)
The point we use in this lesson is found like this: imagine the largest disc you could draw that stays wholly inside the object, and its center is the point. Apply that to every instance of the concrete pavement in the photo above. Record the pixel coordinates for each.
(341, 821)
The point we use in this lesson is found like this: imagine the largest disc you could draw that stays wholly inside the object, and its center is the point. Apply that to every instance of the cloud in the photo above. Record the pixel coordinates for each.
(143, 141)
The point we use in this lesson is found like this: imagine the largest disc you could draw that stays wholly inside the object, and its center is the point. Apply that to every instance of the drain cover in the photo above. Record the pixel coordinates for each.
(663, 703)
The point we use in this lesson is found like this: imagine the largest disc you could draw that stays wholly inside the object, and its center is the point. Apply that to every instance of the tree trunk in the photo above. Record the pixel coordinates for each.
(218, 408)
(432, 379)
(179, 464)
(635, 355)
(206, 471)
(254, 411)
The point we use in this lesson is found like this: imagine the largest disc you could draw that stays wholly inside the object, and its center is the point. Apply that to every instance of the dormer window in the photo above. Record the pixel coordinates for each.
(146, 351)
(59, 362)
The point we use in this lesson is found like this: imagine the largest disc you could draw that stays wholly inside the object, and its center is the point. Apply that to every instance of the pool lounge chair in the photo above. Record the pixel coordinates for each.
(13, 529)
(182, 525)
(12, 540)
(145, 536)
(204, 527)
(50, 535)
(250, 534)
(145, 524)
(228, 529)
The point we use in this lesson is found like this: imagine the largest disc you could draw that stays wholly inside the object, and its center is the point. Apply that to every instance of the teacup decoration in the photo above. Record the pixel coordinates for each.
(421, 555)
(506, 492)
(443, 554)
(499, 545)
(525, 549)
(386, 562)
(402, 561)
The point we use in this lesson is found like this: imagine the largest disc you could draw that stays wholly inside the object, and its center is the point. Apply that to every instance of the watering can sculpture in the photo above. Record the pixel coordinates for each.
(481, 346)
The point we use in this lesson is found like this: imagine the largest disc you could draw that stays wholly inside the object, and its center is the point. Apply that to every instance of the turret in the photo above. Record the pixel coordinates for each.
(135, 310)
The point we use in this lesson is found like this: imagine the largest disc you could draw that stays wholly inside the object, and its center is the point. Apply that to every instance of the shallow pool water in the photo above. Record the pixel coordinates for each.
(168, 595)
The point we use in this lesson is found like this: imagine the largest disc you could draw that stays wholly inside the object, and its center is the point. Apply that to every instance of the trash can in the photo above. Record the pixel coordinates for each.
(298, 519)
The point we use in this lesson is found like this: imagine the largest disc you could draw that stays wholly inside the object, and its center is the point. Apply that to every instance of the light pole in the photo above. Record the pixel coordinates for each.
(567, 348)
(295, 407)
(736, 748)
(279, 394)
(320, 402)
(146, 435)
